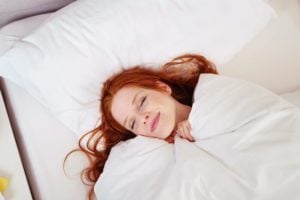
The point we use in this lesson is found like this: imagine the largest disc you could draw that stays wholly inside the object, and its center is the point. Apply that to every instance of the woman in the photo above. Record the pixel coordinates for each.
(140, 101)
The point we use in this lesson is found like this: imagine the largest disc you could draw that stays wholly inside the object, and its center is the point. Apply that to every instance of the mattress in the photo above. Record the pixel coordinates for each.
(44, 141)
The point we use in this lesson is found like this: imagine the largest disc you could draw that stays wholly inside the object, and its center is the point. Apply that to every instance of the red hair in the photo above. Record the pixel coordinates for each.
(181, 74)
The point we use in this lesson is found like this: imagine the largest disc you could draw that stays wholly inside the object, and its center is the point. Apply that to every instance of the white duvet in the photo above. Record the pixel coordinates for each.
(247, 147)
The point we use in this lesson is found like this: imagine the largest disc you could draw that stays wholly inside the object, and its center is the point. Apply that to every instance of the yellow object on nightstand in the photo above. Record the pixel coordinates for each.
(3, 184)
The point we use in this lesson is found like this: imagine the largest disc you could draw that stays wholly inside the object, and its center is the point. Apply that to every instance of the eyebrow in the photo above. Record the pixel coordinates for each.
(133, 100)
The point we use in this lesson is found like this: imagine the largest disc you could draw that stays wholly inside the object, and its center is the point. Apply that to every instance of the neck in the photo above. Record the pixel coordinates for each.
(182, 112)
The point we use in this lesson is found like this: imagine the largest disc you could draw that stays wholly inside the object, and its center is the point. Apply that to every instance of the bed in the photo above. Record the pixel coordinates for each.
(269, 58)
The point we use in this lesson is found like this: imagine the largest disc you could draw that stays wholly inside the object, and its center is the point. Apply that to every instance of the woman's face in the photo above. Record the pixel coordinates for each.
(145, 112)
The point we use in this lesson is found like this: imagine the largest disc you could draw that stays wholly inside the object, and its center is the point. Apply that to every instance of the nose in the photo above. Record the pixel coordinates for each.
(145, 118)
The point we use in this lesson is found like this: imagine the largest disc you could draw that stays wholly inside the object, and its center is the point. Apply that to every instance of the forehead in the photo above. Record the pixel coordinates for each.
(126, 94)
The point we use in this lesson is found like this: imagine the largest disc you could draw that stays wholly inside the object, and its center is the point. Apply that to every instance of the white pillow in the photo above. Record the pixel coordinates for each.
(64, 62)
(13, 32)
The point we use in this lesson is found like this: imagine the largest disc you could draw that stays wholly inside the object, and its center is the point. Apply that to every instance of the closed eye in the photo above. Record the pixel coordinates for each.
(143, 101)
(132, 125)
(141, 104)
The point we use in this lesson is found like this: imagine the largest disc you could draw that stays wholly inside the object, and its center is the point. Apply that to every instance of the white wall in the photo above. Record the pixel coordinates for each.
(272, 59)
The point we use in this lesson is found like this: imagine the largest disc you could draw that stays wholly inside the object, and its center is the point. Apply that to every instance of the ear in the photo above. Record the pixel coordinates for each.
(165, 87)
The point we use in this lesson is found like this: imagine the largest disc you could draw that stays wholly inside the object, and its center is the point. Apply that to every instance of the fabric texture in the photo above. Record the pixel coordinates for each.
(64, 62)
(15, 31)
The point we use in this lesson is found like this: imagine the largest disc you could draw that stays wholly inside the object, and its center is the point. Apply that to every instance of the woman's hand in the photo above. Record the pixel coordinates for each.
(184, 130)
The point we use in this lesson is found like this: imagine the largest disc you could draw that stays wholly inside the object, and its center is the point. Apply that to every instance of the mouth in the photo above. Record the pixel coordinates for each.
(155, 122)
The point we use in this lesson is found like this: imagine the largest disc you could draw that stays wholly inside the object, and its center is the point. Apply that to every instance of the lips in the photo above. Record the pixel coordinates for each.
(155, 122)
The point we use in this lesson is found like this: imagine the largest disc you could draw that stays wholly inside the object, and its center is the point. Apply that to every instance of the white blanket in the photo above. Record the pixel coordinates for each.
(247, 147)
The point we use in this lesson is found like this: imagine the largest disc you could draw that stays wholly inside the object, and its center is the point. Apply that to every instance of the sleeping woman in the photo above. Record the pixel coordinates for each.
(141, 101)
(151, 103)
(232, 139)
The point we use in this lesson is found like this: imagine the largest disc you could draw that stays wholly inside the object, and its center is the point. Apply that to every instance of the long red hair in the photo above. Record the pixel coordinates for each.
(181, 74)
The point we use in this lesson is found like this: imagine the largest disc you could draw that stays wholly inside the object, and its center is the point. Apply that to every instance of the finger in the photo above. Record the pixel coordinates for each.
(184, 132)
(189, 126)
(191, 137)
(180, 132)
(190, 132)
(187, 133)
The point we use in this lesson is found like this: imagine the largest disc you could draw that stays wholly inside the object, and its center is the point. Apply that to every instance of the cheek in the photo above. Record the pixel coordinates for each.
(161, 101)
(166, 127)
(168, 120)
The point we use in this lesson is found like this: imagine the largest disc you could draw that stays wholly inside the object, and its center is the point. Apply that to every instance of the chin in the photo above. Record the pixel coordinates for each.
(166, 134)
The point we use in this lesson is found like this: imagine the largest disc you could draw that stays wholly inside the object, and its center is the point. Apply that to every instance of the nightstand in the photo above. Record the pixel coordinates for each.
(10, 163)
